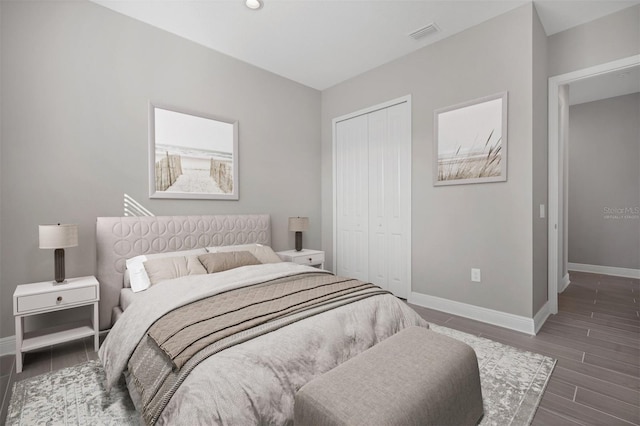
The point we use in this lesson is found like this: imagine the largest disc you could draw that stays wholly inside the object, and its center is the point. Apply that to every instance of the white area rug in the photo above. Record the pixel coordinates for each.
(512, 380)
(512, 385)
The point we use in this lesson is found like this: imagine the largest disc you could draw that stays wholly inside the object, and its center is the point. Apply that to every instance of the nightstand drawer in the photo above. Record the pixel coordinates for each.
(52, 299)
(311, 259)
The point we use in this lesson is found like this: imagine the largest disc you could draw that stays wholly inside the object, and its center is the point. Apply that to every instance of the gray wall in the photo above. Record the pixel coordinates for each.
(540, 164)
(455, 228)
(606, 39)
(76, 80)
(604, 153)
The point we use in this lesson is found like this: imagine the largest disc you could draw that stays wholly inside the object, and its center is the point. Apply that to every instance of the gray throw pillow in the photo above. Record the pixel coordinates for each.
(168, 268)
(218, 262)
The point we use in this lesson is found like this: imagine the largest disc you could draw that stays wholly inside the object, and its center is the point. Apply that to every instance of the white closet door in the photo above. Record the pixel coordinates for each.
(352, 178)
(378, 176)
(373, 197)
(397, 158)
(389, 185)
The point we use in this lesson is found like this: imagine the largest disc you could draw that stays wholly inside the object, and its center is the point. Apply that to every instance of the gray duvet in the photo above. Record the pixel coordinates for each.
(252, 381)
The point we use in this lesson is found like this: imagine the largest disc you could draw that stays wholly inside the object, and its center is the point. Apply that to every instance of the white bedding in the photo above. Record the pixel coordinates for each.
(253, 382)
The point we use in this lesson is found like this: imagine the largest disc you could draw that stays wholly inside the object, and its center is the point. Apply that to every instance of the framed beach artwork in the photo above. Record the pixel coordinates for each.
(470, 142)
(192, 155)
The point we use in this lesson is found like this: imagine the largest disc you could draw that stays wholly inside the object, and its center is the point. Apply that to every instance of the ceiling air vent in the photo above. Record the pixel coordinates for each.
(424, 31)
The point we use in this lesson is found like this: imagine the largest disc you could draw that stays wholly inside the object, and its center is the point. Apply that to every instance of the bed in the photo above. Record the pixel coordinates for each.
(227, 346)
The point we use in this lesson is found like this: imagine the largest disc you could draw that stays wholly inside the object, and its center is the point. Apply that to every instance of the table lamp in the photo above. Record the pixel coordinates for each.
(297, 225)
(58, 237)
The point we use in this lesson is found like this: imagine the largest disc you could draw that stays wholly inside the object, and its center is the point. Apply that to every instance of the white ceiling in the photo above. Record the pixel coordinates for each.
(320, 43)
(560, 15)
(615, 83)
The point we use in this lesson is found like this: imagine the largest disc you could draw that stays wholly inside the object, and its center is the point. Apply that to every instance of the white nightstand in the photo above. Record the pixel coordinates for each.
(304, 257)
(40, 298)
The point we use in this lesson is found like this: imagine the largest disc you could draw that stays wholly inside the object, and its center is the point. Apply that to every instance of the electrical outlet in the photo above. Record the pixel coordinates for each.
(475, 275)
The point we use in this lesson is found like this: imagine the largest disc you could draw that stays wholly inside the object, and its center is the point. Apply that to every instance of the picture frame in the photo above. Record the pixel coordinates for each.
(470, 141)
(192, 155)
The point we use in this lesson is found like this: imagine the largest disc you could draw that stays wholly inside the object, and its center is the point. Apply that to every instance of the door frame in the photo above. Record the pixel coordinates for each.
(556, 166)
(404, 99)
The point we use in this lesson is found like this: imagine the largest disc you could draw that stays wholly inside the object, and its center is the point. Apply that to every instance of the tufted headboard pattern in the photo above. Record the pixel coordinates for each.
(119, 238)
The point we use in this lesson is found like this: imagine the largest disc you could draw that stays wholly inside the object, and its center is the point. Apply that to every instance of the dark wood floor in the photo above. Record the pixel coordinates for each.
(595, 337)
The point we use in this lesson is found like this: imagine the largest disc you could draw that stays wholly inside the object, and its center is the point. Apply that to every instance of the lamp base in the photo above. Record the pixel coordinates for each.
(298, 241)
(58, 261)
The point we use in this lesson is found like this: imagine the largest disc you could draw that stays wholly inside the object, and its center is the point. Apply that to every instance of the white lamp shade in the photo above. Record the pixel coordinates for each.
(58, 236)
(298, 224)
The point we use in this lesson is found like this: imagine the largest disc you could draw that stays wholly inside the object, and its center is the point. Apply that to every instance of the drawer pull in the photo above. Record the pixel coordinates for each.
(310, 260)
(59, 299)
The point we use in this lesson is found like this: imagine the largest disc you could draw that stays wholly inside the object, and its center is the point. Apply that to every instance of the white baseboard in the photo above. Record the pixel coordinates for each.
(541, 316)
(605, 270)
(490, 316)
(7, 345)
(564, 283)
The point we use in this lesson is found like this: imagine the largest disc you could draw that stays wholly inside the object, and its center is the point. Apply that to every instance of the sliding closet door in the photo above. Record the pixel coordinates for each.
(373, 184)
(389, 185)
(352, 177)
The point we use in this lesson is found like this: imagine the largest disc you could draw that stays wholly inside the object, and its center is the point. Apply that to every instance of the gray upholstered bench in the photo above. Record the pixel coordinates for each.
(415, 377)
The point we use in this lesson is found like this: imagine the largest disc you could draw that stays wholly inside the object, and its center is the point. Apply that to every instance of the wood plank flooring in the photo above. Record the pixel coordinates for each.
(595, 337)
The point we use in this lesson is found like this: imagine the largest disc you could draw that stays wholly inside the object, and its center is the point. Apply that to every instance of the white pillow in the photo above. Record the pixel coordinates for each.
(138, 278)
(141, 280)
(264, 254)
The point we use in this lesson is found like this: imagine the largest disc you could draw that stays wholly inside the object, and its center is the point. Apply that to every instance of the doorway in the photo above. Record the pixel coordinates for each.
(558, 180)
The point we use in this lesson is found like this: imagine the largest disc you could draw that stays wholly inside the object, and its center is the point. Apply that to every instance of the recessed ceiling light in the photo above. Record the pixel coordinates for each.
(253, 4)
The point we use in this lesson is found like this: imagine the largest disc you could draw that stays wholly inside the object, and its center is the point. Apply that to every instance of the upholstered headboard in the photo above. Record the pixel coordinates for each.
(119, 238)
